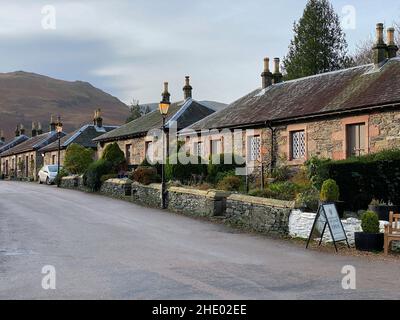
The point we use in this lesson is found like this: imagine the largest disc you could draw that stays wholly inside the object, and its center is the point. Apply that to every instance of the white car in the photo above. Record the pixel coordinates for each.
(48, 174)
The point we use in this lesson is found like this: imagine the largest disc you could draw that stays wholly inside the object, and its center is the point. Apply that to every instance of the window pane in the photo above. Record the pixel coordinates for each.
(298, 145)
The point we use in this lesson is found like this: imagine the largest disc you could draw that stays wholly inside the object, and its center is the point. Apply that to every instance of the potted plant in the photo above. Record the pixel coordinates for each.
(382, 209)
(371, 239)
(330, 194)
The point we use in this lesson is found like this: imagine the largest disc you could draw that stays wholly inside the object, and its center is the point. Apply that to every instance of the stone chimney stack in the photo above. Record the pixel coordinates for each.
(392, 47)
(52, 124)
(165, 95)
(2, 139)
(21, 130)
(380, 48)
(266, 75)
(187, 89)
(98, 120)
(277, 75)
(34, 130)
(39, 129)
(17, 131)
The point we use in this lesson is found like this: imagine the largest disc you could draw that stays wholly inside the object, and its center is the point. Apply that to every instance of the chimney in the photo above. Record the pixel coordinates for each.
(266, 75)
(17, 131)
(52, 124)
(392, 47)
(98, 120)
(165, 95)
(39, 129)
(21, 130)
(34, 130)
(187, 89)
(277, 75)
(380, 48)
(2, 139)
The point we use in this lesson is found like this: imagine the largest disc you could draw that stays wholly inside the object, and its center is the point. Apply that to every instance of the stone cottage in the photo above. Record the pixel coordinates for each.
(6, 145)
(334, 115)
(24, 160)
(134, 138)
(83, 136)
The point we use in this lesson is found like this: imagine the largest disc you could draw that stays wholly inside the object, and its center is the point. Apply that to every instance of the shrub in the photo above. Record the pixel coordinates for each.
(281, 173)
(317, 171)
(63, 173)
(329, 191)
(217, 164)
(94, 173)
(370, 222)
(115, 156)
(308, 199)
(156, 165)
(230, 183)
(146, 175)
(282, 190)
(175, 170)
(78, 158)
(106, 177)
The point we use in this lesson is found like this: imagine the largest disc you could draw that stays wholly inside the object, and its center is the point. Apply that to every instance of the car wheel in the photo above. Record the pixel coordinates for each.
(39, 180)
(48, 181)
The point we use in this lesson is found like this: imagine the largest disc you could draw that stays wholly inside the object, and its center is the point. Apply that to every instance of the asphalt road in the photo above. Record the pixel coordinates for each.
(109, 249)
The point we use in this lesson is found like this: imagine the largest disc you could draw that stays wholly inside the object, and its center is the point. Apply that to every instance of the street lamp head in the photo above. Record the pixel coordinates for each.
(165, 102)
(59, 127)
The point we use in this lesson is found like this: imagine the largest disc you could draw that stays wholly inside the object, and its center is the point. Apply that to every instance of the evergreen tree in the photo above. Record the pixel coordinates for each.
(319, 44)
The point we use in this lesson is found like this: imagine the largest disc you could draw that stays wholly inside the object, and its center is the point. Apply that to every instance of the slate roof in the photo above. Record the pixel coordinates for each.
(344, 90)
(184, 113)
(8, 145)
(83, 136)
(33, 144)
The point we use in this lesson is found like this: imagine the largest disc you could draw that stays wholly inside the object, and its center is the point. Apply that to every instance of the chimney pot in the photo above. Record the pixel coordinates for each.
(17, 131)
(39, 129)
(392, 47)
(52, 124)
(2, 139)
(277, 76)
(165, 95)
(380, 48)
(34, 131)
(187, 89)
(98, 120)
(21, 130)
(266, 76)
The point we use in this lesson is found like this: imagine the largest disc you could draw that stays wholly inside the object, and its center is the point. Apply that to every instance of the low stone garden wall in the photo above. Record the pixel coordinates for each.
(267, 216)
(70, 182)
(300, 224)
(149, 196)
(117, 188)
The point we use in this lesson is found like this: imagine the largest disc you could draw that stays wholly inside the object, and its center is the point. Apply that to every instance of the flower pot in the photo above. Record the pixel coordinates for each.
(383, 211)
(372, 242)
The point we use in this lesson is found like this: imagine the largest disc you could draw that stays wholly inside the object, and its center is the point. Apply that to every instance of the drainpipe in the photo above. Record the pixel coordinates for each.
(268, 124)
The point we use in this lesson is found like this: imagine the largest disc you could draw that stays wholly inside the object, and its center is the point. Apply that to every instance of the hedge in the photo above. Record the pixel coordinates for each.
(362, 179)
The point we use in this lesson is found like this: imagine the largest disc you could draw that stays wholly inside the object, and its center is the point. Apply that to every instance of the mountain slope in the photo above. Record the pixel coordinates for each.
(27, 97)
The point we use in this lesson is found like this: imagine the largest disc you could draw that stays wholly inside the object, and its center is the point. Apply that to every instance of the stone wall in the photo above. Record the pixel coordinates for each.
(117, 188)
(300, 224)
(149, 196)
(70, 182)
(196, 202)
(267, 216)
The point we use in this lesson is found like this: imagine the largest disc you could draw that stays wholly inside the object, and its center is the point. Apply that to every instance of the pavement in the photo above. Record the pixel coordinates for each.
(102, 248)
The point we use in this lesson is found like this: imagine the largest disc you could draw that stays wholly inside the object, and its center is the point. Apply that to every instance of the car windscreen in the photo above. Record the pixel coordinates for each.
(53, 168)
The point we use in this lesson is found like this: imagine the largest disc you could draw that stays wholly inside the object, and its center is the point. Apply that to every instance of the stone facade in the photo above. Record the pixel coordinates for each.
(51, 157)
(117, 188)
(137, 149)
(325, 138)
(22, 166)
(267, 216)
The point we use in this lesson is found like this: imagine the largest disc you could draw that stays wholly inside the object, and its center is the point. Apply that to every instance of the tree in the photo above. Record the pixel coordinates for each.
(319, 44)
(115, 156)
(137, 111)
(78, 158)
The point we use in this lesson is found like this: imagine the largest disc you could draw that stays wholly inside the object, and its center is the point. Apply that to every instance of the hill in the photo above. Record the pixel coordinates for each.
(27, 97)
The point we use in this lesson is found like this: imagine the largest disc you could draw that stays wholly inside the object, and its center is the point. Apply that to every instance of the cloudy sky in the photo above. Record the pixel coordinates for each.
(129, 47)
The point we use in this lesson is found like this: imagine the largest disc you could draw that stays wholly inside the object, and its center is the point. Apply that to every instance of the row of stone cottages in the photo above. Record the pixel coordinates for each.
(334, 115)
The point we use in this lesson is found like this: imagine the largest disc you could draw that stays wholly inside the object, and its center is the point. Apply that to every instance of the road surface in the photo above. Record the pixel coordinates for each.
(103, 248)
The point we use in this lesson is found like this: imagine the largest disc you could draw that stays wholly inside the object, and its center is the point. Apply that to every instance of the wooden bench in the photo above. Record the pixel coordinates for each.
(392, 231)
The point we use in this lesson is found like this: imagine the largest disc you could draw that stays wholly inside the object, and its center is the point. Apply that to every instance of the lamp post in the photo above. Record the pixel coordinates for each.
(164, 107)
(59, 131)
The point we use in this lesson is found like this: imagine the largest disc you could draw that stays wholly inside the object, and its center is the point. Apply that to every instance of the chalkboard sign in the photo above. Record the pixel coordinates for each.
(328, 216)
